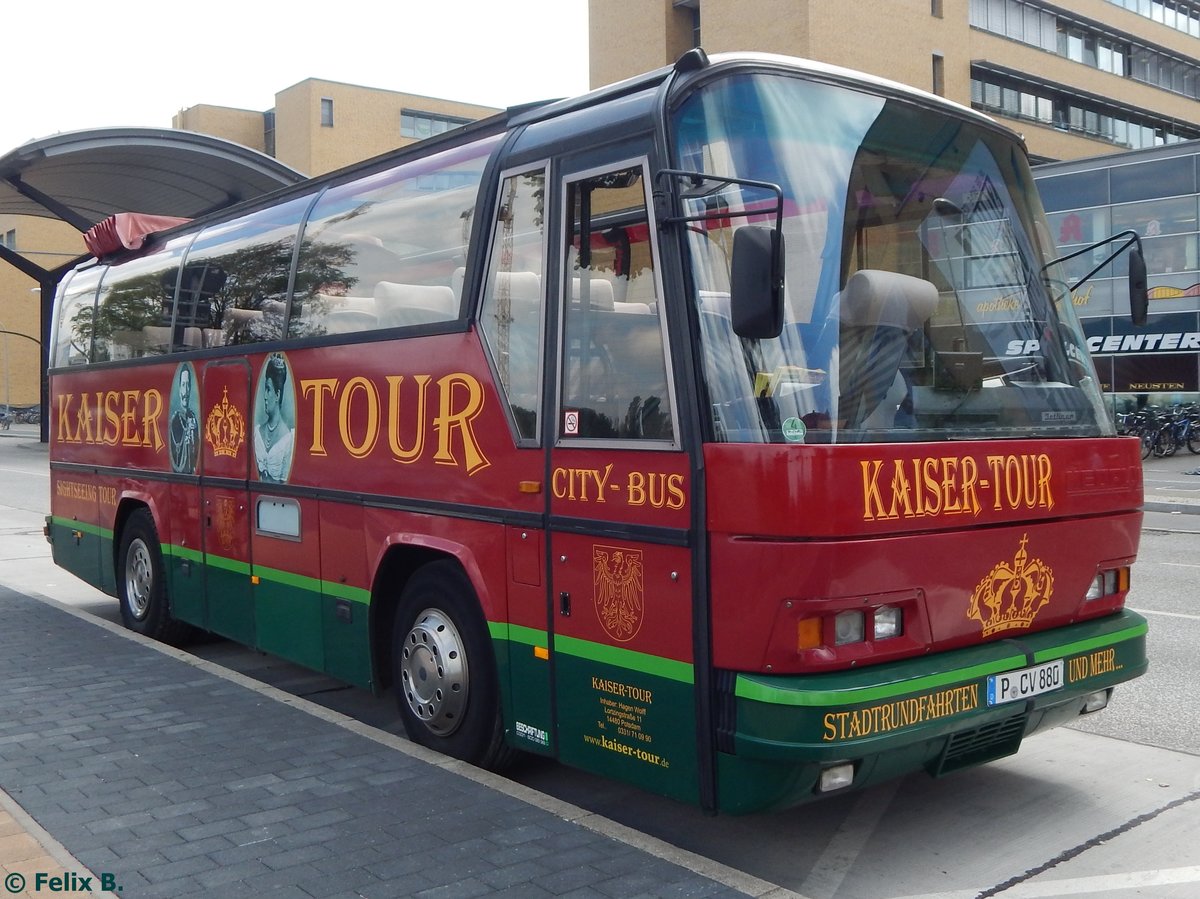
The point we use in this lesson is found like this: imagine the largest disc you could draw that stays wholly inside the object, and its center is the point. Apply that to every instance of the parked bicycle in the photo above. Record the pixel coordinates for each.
(1151, 428)
(1185, 422)
(1163, 431)
(29, 416)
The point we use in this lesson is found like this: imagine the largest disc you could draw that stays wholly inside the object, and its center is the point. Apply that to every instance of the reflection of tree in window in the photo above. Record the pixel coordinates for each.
(251, 303)
(614, 371)
(512, 304)
(256, 281)
(128, 308)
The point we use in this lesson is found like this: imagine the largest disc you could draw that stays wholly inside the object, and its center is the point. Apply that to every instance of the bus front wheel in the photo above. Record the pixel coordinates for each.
(141, 584)
(444, 670)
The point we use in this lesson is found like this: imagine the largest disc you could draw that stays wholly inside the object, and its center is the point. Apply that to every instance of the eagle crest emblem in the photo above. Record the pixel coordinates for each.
(618, 590)
(226, 522)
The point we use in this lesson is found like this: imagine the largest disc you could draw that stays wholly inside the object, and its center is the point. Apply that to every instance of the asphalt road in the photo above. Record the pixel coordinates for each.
(1108, 807)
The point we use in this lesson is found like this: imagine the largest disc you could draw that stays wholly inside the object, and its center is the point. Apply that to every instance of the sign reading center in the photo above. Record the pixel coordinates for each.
(955, 485)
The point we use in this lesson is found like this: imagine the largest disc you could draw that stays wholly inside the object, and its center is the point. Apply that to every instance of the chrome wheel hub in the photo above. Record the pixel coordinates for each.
(433, 672)
(139, 578)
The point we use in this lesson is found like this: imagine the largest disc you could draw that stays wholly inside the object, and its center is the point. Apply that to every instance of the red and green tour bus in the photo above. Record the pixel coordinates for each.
(728, 430)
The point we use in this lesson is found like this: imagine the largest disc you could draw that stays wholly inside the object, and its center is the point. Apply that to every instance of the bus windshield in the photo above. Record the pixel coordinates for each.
(919, 303)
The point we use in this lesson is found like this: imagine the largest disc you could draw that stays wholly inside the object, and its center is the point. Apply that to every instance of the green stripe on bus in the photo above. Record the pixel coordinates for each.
(72, 524)
(275, 575)
(760, 692)
(345, 591)
(288, 578)
(518, 633)
(183, 552)
(1071, 649)
(313, 585)
(234, 565)
(625, 658)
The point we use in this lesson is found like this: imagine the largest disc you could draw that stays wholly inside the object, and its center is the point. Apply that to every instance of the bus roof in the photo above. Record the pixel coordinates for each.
(693, 65)
(703, 63)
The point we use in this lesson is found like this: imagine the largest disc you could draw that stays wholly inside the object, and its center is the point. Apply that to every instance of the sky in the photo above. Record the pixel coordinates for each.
(72, 65)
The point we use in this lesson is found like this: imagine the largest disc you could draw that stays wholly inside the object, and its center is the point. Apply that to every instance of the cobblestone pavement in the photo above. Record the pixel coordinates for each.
(158, 775)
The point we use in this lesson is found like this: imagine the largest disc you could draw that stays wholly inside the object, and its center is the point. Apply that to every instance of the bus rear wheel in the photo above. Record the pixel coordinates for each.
(141, 583)
(444, 670)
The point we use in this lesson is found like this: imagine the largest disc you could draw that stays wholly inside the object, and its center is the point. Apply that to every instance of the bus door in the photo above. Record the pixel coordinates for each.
(620, 607)
(285, 535)
(224, 500)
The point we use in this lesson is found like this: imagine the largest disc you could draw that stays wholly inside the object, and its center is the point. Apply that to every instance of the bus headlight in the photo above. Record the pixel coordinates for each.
(848, 627)
(1108, 582)
(888, 622)
(837, 777)
(825, 633)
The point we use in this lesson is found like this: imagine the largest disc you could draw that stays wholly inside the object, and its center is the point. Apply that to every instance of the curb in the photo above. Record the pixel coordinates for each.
(714, 871)
(49, 845)
(1172, 508)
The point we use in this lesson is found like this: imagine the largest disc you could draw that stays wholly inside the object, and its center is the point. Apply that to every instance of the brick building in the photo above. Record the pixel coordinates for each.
(1080, 79)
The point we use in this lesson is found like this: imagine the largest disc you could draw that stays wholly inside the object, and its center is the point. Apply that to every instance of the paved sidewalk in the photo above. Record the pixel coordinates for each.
(1172, 484)
(32, 861)
(167, 777)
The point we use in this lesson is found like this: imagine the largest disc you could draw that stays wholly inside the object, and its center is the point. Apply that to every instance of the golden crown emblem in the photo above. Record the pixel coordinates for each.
(1010, 596)
(225, 428)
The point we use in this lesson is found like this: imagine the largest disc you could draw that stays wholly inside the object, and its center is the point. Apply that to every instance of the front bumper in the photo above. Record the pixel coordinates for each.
(931, 712)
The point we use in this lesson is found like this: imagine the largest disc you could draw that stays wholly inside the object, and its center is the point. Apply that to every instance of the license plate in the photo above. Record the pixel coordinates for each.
(1024, 682)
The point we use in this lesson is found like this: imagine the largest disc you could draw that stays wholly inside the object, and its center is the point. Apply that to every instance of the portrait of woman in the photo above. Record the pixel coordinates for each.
(274, 420)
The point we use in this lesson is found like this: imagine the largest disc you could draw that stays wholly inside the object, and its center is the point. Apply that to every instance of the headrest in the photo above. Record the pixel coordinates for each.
(438, 298)
(600, 293)
(523, 287)
(872, 298)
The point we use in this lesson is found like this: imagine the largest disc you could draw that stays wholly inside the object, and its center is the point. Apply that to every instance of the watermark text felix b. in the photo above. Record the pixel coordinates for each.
(68, 882)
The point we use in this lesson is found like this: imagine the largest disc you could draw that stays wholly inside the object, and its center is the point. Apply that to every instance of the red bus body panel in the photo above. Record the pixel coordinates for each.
(919, 525)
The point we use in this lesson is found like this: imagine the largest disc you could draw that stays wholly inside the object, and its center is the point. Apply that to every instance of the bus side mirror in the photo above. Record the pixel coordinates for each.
(1139, 298)
(756, 282)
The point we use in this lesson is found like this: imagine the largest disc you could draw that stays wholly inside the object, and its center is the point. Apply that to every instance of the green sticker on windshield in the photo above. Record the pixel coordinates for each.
(794, 430)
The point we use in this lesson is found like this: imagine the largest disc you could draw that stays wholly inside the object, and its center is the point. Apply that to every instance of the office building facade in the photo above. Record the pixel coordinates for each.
(48, 243)
(1103, 76)
(1155, 192)
(317, 126)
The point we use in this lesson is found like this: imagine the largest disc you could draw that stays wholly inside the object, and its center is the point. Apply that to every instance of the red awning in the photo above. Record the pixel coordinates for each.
(126, 231)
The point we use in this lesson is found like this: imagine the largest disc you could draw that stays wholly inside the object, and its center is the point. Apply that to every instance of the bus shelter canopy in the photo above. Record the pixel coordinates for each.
(83, 177)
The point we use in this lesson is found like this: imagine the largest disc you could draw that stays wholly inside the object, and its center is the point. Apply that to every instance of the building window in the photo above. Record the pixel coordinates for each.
(9, 239)
(1180, 15)
(939, 75)
(269, 132)
(1029, 23)
(935, 8)
(326, 112)
(424, 124)
(687, 14)
(996, 94)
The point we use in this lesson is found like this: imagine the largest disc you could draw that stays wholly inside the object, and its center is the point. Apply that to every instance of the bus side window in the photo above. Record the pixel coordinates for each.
(136, 302)
(73, 343)
(194, 309)
(381, 252)
(235, 283)
(511, 313)
(614, 365)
